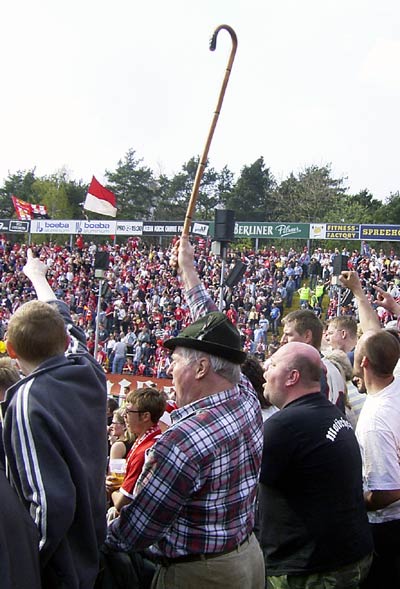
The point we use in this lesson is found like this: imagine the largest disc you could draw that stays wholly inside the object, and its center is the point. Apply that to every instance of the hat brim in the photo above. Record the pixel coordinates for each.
(235, 356)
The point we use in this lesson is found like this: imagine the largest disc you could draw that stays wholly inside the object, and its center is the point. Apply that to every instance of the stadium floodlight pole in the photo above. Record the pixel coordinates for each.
(203, 159)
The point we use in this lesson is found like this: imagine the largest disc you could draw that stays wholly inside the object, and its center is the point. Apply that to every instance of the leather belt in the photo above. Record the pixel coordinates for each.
(166, 562)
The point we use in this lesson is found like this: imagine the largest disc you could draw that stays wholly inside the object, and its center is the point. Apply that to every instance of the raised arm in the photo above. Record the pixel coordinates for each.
(36, 271)
(387, 301)
(368, 318)
(198, 298)
(183, 256)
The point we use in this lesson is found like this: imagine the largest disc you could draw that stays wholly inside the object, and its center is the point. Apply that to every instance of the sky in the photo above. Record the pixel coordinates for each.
(314, 82)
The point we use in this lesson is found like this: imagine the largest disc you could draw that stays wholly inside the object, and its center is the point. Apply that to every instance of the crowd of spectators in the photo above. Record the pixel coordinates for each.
(142, 302)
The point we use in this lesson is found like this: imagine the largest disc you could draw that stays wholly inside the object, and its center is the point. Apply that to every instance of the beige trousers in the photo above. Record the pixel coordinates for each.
(243, 568)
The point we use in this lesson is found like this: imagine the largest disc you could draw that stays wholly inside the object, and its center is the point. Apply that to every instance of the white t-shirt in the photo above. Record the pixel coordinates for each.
(335, 381)
(268, 412)
(378, 433)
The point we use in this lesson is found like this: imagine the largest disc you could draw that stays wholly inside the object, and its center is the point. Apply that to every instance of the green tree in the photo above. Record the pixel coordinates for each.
(175, 193)
(358, 208)
(314, 196)
(226, 186)
(389, 212)
(76, 193)
(134, 186)
(51, 192)
(288, 195)
(162, 209)
(18, 184)
(209, 195)
(252, 197)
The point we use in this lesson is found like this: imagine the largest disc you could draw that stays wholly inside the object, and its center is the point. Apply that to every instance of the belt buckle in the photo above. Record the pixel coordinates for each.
(163, 561)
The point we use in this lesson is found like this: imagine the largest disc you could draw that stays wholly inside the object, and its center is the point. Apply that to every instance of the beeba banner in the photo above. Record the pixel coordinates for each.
(53, 226)
(96, 227)
(68, 227)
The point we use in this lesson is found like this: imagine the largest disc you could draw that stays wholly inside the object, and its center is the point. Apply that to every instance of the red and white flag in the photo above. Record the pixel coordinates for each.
(22, 208)
(27, 211)
(39, 211)
(100, 199)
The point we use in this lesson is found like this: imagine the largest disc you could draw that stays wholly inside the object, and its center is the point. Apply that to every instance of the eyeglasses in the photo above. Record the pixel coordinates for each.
(131, 411)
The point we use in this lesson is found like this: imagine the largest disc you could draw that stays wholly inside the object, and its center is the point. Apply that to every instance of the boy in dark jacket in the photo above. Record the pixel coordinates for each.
(55, 435)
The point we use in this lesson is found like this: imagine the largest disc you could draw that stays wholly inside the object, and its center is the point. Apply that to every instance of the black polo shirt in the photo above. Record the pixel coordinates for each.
(312, 512)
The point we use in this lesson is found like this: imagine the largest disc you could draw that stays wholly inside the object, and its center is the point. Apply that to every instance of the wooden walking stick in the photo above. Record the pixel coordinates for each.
(203, 159)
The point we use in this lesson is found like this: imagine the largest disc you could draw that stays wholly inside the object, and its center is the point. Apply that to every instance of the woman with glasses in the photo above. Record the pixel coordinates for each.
(120, 437)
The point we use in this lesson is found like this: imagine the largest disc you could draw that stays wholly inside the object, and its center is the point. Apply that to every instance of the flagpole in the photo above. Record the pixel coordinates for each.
(96, 338)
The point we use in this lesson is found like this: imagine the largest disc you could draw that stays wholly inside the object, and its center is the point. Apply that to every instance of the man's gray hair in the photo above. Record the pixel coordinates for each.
(220, 366)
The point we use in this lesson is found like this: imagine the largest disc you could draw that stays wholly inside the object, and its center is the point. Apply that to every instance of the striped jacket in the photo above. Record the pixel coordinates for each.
(54, 435)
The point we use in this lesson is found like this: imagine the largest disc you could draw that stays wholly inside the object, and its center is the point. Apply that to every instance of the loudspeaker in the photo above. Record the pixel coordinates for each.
(224, 229)
(101, 260)
(235, 274)
(340, 264)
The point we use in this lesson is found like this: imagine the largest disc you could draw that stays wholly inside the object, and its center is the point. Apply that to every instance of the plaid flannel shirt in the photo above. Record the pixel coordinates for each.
(197, 489)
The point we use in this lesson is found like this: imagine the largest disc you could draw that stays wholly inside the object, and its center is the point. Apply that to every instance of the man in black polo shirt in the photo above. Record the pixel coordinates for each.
(314, 527)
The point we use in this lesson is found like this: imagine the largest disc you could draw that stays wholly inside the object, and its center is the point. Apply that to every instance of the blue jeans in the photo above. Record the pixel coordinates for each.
(118, 364)
(289, 298)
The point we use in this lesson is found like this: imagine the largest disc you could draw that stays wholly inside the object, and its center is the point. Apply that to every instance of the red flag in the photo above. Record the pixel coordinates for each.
(100, 199)
(22, 208)
(27, 211)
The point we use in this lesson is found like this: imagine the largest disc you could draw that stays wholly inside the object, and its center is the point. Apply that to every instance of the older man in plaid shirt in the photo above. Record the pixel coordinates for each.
(194, 501)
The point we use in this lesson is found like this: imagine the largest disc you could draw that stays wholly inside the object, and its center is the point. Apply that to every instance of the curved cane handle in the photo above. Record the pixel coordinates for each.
(203, 160)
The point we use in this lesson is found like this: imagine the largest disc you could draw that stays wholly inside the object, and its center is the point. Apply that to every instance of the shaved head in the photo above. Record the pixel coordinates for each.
(292, 372)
